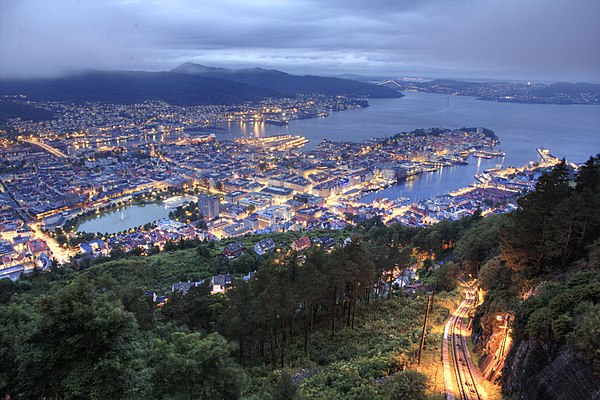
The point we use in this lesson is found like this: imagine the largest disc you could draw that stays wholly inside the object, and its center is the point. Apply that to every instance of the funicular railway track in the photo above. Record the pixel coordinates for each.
(462, 367)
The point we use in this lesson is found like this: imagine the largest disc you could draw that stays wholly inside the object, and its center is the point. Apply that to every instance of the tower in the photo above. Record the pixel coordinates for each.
(208, 206)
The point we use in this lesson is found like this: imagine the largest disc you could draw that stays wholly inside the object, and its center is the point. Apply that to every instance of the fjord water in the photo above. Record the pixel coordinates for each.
(570, 131)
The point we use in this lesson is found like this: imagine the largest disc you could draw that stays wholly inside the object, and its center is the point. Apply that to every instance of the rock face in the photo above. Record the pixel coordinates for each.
(493, 343)
(534, 371)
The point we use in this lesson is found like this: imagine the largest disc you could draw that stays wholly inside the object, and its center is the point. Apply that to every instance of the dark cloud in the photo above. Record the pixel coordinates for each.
(534, 39)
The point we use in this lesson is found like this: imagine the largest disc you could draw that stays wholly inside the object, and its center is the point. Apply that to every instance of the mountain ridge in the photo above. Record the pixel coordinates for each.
(187, 85)
(278, 80)
(127, 87)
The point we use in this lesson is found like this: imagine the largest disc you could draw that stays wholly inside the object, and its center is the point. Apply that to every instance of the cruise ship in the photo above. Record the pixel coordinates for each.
(546, 156)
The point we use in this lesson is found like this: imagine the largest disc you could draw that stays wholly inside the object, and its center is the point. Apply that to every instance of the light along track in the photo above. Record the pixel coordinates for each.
(464, 370)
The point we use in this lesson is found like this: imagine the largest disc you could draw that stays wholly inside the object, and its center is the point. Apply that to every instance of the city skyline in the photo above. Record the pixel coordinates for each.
(497, 40)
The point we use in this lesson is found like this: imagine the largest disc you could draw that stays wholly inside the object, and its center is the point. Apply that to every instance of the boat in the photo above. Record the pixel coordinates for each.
(497, 168)
(489, 153)
(278, 122)
(546, 156)
(483, 178)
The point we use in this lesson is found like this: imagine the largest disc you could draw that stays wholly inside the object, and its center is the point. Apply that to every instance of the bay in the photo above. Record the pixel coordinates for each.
(569, 131)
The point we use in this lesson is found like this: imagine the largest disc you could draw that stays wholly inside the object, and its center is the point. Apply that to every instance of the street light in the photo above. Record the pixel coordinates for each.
(500, 317)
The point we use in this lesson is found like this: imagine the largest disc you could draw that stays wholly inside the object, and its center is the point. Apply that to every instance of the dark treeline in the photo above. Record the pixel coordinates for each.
(545, 275)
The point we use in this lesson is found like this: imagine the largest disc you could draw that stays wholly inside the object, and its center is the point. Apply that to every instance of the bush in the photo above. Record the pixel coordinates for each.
(409, 385)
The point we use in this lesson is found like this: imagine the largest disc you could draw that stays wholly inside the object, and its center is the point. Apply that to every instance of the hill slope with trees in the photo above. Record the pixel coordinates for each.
(320, 325)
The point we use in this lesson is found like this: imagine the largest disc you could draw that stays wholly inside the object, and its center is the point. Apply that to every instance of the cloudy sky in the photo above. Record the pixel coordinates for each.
(508, 39)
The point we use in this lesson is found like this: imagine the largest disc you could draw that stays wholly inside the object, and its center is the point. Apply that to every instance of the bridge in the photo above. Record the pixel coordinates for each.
(46, 147)
(390, 82)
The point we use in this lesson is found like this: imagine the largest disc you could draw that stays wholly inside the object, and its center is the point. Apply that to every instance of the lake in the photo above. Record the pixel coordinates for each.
(124, 219)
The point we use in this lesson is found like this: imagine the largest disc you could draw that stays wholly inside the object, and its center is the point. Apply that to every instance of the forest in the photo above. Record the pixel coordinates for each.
(316, 325)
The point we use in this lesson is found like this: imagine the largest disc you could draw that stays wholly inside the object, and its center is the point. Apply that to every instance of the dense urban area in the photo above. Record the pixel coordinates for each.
(96, 158)
(299, 200)
(269, 276)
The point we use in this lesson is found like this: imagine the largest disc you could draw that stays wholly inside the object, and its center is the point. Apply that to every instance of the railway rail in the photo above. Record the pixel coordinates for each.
(460, 365)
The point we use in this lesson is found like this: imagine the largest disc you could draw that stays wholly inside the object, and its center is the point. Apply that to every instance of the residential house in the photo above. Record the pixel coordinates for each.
(234, 250)
(184, 287)
(264, 246)
(301, 244)
(220, 283)
(94, 248)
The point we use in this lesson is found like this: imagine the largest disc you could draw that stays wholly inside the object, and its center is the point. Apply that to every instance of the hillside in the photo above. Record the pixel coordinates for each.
(326, 325)
(542, 281)
(9, 109)
(129, 87)
(277, 80)
(531, 93)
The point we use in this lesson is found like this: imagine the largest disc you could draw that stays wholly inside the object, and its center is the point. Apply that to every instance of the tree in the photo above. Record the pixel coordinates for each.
(555, 223)
(285, 389)
(203, 251)
(197, 309)
(480, 242)
(194, 366)
(527, 230)
(447, 276)
(495, 275)
(76, 342)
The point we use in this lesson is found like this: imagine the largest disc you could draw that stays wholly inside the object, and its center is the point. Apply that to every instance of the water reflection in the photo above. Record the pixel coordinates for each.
(124, 219)
(245, 129)
(444, 180)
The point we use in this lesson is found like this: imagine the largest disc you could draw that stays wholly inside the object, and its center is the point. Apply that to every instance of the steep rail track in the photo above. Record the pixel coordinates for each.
(461, 364)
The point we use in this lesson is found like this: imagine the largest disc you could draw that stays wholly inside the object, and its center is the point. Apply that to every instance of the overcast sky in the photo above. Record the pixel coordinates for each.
(507, 39)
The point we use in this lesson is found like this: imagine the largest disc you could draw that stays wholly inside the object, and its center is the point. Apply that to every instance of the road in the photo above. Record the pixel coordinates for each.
(61, 254)
(459, 369)
(55, 152)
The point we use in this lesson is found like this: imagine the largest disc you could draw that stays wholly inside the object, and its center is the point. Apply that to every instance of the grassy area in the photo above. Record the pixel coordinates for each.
(431, 361)
(157, 272)
(431, 364)
(382, 343)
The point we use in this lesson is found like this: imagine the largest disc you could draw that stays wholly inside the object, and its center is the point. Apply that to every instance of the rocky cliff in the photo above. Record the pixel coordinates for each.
(535, 371)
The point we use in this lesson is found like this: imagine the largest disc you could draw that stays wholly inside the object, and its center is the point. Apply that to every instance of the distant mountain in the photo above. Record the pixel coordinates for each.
(128, 87)
(284, 82)
(362, 78)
